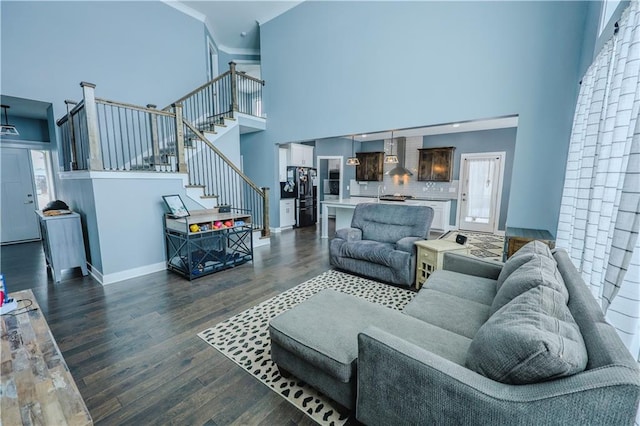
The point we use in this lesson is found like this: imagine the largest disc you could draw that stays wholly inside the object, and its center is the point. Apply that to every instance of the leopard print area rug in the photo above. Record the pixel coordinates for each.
(244, 338)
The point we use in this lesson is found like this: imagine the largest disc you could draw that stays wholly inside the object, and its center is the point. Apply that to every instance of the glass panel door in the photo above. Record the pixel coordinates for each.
(480, 177)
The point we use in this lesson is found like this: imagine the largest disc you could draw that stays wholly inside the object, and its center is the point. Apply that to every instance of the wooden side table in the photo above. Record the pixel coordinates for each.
(37, 387)
(515, 238)
(430, 255)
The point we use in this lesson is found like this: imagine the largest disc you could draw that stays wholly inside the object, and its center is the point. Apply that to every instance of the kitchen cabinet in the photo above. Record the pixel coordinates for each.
(300, 155)
(435, 164)
(331, 211)
(441, 212)
(287, 213)
(282, 164)
(371, 166)
(62, 243)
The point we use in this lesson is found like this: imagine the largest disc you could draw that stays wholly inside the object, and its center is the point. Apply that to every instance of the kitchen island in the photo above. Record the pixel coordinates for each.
(345, 207)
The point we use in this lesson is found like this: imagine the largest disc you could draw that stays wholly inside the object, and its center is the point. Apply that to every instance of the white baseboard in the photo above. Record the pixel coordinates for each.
(126, 274)
(258, 241)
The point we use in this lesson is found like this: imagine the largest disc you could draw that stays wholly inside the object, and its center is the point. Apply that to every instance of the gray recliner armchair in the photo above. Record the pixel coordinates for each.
(380, 242)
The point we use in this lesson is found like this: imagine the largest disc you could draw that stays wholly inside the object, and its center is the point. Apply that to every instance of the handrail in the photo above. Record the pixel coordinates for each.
(224, 157)
(198, 89)
(248, 77)
(102, 134)
(135, 107)
(73, 111)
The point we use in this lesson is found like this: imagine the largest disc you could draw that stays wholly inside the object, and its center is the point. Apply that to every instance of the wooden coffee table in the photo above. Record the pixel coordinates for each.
(37, 387)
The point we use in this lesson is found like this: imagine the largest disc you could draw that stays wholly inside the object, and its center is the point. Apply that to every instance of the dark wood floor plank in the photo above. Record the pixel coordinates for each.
(132, 346)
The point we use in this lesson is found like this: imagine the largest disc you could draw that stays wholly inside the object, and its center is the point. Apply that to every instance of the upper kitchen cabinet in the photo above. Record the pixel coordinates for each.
(435, 164)
(371, 166)
(300, 155)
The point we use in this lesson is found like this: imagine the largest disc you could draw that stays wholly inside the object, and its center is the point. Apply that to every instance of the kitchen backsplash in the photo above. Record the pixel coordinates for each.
(412, 187)
(409, 185)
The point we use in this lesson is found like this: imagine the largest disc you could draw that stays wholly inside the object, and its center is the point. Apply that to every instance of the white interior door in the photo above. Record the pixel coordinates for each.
(480, 192)
(18, 221)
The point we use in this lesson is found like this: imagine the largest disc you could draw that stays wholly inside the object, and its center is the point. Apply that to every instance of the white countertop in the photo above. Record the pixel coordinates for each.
(350, 203)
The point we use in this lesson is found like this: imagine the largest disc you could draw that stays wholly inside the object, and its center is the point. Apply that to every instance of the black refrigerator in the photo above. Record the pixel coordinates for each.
(302, 182)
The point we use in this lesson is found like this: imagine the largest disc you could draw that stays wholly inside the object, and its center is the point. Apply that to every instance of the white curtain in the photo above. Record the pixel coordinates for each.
(480, 188)
(600, 211)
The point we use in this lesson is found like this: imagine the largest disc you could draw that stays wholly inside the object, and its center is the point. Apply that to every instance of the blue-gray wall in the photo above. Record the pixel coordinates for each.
(337, 68)
(138, 52)
(497, 140)
(30, 129)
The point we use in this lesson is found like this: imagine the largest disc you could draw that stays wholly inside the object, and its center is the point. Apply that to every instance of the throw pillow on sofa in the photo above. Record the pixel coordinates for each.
(537, 271)
(522, 256)
(531, 339)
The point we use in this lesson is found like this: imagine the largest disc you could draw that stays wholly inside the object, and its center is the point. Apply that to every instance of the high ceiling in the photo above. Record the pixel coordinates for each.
(234, 25)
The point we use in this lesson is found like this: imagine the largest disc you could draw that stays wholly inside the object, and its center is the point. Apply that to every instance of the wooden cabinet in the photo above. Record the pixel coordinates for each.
(371, 166)
(515, 238)
(435, 164)
(62, 243)
(287, 212)
(300, 155)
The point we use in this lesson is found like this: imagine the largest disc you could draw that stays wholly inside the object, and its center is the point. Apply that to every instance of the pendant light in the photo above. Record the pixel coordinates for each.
(353, 160)
(391, 159)
(7, 129)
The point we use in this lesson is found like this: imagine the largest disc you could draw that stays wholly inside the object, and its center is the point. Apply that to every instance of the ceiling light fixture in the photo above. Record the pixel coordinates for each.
(353, 160)
(7, 129)
(391, 159)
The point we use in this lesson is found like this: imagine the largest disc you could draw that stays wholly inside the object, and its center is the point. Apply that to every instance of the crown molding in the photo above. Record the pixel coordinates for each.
(238, 51)
(185, 9)
(268, 18)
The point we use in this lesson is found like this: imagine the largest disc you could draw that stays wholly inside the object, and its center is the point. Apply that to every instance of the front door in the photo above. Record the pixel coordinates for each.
(18, 205)
(480, 192)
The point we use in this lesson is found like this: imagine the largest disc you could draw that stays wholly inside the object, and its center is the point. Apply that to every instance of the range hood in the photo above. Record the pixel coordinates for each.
(401, 150)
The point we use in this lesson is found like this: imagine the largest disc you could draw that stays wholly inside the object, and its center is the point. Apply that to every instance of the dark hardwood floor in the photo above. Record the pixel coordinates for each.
(132, 346)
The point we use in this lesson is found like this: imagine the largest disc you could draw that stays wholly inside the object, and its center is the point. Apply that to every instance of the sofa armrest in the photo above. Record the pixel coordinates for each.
(470, 265)
(401, 383)
(349, 234)
(407, 244)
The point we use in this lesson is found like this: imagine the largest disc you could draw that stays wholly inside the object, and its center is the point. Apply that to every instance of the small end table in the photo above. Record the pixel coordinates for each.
(515, 238)
(430, 255)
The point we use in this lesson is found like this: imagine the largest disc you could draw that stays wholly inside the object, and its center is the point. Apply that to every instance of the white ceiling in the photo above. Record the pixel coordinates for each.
(228, 20)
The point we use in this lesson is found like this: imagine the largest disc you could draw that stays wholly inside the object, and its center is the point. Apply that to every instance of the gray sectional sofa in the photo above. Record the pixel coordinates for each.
(380, 242)
(482, 342)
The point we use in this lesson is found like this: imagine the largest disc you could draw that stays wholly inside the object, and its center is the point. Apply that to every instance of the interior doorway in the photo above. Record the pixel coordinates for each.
(212, 58)
(330, 174)
(481, 177)
(18, 198)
